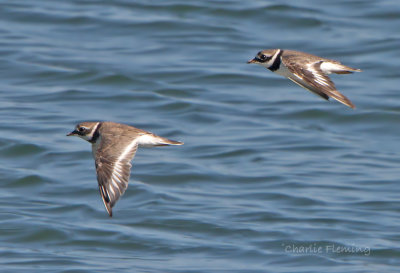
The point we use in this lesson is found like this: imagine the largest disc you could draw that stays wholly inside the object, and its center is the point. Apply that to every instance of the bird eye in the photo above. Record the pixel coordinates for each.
(81, 129)
(263, 57)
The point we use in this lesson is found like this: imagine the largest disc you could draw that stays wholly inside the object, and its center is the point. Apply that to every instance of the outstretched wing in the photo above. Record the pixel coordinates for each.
(315, 80)
(113, 170)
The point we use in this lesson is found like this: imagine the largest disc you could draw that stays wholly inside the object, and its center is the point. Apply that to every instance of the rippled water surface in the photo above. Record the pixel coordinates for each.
(271, 178)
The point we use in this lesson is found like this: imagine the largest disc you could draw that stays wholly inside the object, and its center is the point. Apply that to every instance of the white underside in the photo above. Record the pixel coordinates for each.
(284, 71)
(95, 147)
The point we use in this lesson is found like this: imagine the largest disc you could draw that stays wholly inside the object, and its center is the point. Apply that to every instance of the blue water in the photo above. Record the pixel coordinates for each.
(271, 178)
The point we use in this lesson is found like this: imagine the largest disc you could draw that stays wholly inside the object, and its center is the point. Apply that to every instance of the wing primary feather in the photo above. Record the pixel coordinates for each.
(106, 199)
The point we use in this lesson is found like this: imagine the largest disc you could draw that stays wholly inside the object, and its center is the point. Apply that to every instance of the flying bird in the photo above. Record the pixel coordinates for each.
(308, 71)
(114, 145)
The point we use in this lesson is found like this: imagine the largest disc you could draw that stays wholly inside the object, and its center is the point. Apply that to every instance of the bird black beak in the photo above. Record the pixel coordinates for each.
(252, 61)
(73, 133)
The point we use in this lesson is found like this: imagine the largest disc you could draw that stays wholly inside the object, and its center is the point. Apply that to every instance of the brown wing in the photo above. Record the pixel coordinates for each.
(113, 166)
(313, 79)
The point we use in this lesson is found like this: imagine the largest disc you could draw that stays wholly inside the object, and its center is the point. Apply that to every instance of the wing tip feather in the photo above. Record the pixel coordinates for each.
(106, 200)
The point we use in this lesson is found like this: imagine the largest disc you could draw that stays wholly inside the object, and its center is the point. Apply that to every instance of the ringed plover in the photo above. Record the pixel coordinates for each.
(308, 71)
(114, 145)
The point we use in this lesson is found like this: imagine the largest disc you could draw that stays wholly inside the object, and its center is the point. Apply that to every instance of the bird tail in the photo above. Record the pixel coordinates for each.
(166, 141)
(343, 69)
